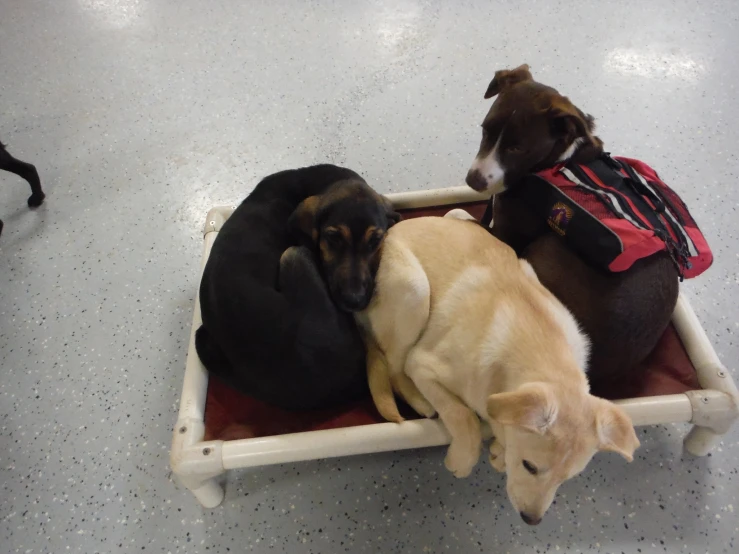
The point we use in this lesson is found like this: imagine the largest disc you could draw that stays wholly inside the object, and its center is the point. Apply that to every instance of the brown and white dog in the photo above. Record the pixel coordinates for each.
(529, 127)
(461, 326)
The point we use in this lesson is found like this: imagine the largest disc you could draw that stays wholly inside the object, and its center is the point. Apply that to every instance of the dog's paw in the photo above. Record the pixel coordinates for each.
(295, 254)
(459, 213)
(288, 254)
(461, 461)
(497, 456)
(421, 406)
(497, 463)
(428, 413)
(35, 200)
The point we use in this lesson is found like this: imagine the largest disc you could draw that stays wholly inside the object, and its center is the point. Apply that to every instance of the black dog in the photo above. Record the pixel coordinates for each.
(27, 172)
(276, 321)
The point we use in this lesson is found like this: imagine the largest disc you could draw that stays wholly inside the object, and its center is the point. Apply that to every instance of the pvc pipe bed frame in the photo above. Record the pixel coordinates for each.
(198, 463)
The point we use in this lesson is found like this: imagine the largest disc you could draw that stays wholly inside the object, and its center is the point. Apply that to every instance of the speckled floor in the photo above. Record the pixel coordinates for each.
(141, 114)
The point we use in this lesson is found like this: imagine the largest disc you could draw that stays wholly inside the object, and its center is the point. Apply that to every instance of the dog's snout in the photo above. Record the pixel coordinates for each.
(352, 287)
(354, 300)
(530, 520)
(476, 180)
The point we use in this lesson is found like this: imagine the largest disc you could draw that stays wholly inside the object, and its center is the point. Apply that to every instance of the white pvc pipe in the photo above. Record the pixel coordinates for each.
(701, 440)
(210, 494)
(195, 385)
(654, 410)
(329, 443)
(436, 197)
(421, 433)
(709, 369)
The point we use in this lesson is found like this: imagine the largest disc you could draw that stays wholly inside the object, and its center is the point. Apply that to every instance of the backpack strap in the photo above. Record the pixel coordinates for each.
(634, 182)
(679, 248)
(487, 217)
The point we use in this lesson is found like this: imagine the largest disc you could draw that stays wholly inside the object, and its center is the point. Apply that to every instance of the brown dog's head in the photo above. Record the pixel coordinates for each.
(347, 223)
(551, 432)
(529, 127)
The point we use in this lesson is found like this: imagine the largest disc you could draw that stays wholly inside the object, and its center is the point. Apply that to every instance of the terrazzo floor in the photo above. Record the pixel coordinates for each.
(142, 114)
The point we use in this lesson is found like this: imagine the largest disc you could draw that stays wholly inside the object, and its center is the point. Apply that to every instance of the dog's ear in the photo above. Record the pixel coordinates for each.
(568, 122)
(532, 406)
(302, 222)
(506, 78)
(393, 217)
(615, 430)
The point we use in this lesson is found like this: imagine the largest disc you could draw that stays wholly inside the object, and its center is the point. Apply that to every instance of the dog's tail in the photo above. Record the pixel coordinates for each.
(210, 353)
(380, 385)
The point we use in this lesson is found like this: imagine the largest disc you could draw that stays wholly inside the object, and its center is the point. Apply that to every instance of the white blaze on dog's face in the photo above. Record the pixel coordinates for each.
(548, 441)
(529, 127)
(488, 165)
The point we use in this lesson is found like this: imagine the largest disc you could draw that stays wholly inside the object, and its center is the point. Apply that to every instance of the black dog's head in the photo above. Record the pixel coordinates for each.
(347, 223)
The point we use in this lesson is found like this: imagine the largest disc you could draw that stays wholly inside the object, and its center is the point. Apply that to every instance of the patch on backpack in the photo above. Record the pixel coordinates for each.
(559, 217)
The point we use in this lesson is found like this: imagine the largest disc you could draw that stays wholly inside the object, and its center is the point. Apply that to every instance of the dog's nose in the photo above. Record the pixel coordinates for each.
(530, 520)
(354, 301)
(475, 180)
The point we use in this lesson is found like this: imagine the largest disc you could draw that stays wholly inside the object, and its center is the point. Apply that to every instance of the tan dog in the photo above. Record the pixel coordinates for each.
(460, 326)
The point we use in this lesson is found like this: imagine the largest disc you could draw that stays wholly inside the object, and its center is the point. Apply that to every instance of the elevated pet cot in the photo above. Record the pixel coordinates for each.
(219, 429)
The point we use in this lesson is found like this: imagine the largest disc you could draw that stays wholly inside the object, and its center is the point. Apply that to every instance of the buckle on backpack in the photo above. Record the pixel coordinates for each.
(614, 164)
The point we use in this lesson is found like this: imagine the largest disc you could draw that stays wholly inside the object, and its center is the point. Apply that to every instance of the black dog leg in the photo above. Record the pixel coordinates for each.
(25, 171)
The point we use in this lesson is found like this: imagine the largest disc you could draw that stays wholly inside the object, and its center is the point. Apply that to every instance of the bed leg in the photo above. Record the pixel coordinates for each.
(714, 412)
(209, 492)
(197, 469)
(197, 464)
(701, 440)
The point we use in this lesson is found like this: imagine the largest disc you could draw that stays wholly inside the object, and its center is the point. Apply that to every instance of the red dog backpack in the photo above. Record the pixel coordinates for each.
(614, 211)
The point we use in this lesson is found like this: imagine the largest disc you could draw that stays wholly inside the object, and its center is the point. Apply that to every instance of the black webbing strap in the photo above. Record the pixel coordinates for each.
(681, 248)
(487, 217)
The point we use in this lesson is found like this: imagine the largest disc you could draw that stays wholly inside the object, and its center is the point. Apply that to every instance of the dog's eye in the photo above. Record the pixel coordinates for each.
(334, 238)
(531, 468)
(513, 150)
(374, 242)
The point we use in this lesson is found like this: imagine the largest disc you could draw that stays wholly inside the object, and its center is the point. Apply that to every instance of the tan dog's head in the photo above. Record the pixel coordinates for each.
(347, 223)
(550, 436)
(529, 127)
